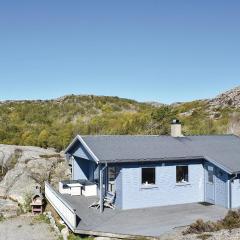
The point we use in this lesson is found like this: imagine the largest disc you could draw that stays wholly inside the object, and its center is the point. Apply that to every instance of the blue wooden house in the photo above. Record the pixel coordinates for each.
(148, 171)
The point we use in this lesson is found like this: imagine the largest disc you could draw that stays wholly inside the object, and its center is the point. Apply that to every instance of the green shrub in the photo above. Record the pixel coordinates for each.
(42, 218)
(26, 207)
(60, 226)
(55, 123)
(77, 237)
(2, 218)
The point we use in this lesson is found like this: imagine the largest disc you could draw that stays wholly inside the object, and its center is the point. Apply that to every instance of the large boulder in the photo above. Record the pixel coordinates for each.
(22, 188)
(230, 98)
(26, 167)
(8, 208)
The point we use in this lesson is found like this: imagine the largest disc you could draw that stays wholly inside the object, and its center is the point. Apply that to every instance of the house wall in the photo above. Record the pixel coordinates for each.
(84, 169)
(79, 150)
(80, 169)
(221, 187)
(235, 187)
(83, 165)
(118, 182)
(131, 194)
(166, 191)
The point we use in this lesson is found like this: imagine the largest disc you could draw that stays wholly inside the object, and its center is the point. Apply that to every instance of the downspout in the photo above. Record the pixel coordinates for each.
(101, 188)
(230, 190)
(73, 163)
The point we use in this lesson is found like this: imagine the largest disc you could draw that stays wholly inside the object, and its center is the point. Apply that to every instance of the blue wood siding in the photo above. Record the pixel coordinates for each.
(79, 151)
(130, 193)
(83, 165)
(83, 169)
(118, 185)
(217, 192)
(221, 187)
(166, 191)
(96, 173)
(209, 186)
(235, 186)
(80, 169)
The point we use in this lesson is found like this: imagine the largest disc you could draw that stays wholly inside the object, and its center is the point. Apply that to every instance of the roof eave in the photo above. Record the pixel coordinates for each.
(153, 159)
(229, 171)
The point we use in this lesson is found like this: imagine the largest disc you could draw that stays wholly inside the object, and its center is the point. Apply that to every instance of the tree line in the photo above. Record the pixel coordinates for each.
(55, 123)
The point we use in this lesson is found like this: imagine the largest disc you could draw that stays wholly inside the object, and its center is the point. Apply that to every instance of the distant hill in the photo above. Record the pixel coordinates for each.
(53, 123)
(230, 98)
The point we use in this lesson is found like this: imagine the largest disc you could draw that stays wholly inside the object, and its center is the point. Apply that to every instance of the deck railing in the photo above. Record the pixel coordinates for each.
(66, 212)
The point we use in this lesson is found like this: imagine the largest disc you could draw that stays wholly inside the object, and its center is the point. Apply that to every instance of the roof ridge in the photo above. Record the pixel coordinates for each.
(125, 135)
(212, 135)
(145, 135)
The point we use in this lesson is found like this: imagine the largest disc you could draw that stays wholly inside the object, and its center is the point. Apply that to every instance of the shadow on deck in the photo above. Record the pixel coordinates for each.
(88, 218)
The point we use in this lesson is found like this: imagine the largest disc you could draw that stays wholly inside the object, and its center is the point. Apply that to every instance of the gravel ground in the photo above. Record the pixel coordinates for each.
(219, 235)
(24, 228)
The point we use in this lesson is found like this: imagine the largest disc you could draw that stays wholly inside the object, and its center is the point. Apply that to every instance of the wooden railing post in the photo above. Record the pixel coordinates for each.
(101, 190)
(102, 195)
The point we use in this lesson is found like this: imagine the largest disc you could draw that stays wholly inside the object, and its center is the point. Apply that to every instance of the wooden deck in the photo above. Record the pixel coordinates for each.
(151, 222)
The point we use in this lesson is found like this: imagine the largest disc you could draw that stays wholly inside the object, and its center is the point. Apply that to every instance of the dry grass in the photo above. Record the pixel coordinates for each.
(230, 221)
(46, 156)
(204, 236)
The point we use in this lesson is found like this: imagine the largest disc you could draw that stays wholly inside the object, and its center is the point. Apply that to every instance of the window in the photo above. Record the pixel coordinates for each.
(210, 174)
(111, 178)
(111, 173)
(219, 173)
(148, 176)
(181, 174)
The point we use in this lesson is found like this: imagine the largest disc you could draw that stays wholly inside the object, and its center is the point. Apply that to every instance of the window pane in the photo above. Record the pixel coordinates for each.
(181, 174)
(111, 173)
(111, 178)
(148, 175)
(210, 174)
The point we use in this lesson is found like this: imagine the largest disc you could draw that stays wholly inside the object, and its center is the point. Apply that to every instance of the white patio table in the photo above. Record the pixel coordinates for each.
(75, 189)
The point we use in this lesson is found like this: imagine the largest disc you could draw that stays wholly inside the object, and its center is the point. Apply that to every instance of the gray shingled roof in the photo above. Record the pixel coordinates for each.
(224, 150)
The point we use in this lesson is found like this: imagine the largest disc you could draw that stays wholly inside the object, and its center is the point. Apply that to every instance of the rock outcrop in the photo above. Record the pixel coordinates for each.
(230, 98)
(8, 208)
(25, 167)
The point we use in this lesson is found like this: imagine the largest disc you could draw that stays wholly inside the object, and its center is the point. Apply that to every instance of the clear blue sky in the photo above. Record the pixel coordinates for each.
(147, 50)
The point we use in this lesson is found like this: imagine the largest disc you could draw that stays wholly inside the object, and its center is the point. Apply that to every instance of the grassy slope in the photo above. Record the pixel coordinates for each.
(54, 123)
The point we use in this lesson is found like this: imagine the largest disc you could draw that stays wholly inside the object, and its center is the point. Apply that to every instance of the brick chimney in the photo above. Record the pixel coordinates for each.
(176, 128)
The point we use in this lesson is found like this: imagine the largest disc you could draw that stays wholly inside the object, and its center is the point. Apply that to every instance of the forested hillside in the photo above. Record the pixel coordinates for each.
(54, 123)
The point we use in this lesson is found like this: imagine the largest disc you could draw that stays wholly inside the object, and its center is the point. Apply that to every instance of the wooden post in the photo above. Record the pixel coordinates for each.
(101, 190)
(72, 162)
(102, 194)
